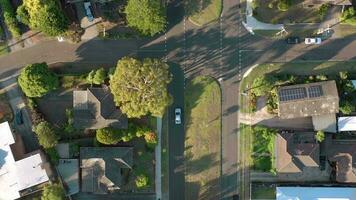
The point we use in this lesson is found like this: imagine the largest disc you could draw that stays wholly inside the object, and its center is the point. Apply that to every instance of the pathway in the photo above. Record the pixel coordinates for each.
(158, 151)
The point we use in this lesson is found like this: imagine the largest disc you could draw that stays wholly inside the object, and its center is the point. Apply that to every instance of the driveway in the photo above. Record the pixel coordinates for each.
(16, 101)
(90, 28)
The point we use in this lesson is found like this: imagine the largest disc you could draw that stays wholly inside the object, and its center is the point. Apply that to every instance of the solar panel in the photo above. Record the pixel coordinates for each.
(315, 91)
(292, 94)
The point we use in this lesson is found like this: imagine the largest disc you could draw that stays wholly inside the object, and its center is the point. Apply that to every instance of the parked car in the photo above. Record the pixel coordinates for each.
(316, 40)
(87, 7)
(19, 117)
(178, 115)
(293, 40)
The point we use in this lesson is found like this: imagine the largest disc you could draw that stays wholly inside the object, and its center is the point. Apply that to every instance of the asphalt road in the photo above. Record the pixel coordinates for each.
(223, 50)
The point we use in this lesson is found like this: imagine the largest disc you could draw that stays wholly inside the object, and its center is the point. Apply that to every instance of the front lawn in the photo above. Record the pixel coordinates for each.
(202, 12)
(267, 11)
(261, 145)
(202, 140)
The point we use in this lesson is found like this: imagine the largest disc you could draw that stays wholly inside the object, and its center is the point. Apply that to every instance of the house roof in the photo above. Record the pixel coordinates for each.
(101, 167)
(94, 108)
(316, 193)
(346, 123)
(293, 153)
(344, 154)
(17, 175)
(312, 99)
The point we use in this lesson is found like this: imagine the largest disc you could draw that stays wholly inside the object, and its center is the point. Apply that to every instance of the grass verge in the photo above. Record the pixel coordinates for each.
(330, 68)
(202, 141)
(203, 12)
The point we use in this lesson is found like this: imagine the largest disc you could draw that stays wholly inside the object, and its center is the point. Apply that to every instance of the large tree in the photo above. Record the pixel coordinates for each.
(46, 135)
(37, 80)
(46, 16)
(140, 88)
(147, 16)
(53, 192)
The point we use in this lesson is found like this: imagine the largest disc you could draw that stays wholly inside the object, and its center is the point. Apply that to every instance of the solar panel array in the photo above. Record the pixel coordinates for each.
(315, 91)
(292, 94)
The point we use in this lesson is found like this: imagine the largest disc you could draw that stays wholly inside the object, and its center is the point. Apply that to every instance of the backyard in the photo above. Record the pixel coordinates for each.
(267, 11)
(203, 12)
(202, 140)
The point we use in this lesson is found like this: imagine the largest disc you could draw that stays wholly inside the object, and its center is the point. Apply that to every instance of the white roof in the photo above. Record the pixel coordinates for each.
(315, 193)
(347, 123)
(17, 175)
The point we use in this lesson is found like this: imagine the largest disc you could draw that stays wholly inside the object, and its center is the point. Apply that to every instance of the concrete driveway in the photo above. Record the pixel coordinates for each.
(90, 28)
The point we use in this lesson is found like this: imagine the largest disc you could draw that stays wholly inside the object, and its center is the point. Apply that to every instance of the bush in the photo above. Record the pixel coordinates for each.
(53, 192)
(10, 17)
(151, 139)
(141, 181)
(255, 4)
(323, 9)
(283, 5)
(53, 155)
(108, 136)
(22, 14)
(97, 76)
(69, 127)
(46, 135)
(346, 108)
(263, 85)
(348, 16)
(320, 136)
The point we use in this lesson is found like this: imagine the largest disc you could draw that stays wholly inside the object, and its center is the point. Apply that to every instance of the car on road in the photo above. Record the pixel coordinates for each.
(19, 117)
(178, 115)
(87, 7)
(315, 40)
(293, 40)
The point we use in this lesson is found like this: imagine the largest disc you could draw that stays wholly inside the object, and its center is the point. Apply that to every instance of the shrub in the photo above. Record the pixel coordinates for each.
(46, 135)
(323, 9)
(97, 76)
(107, 136)
(346, 107)
(141, 181)
(53, 192)
(53, 155)
(151, 139)
(22, 14)
(255, 4)
(10, 17)
(283, 5)
(320, 136)
(263, 85)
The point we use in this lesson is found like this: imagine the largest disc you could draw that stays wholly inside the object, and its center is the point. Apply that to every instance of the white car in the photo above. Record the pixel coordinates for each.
(87, 7)
(178, 115)
(316, 40)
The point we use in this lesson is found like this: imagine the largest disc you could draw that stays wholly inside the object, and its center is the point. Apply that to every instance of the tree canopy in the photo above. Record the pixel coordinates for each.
(46, 16)
(140, 88)
(142, 181)
(147, 16)
(97, 76)
(37, 80)
(53, 192)
(46, 135)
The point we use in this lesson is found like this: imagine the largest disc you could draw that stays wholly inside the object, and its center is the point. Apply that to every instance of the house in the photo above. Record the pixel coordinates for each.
(311, 3)
(103, 169)
(19, 176)
(298, 157)
(68, 170)
(319, 100)
(94, 108)
(320, 193)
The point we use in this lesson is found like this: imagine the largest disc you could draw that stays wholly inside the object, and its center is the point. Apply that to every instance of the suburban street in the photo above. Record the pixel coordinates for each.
(223, 50)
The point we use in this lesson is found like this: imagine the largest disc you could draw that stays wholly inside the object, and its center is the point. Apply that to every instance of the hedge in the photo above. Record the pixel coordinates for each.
(10, 18)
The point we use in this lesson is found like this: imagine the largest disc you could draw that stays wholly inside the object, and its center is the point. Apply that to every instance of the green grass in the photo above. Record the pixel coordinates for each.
(202, 12)
(261, 147)
(3, 48)
(164, 156)
(202, 141)
(330, 68)
(70, 81)
(263, 193)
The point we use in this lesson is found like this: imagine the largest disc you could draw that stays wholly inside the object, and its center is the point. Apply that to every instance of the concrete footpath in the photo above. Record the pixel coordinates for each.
(158, 173)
